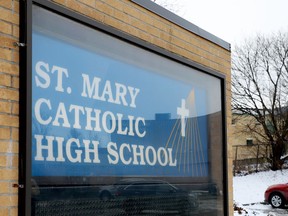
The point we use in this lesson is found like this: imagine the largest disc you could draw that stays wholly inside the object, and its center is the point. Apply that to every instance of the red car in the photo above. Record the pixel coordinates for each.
(277, 195)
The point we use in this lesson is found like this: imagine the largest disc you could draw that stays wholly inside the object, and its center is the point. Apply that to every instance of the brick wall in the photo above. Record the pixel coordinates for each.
(9, 107)
(120, 14)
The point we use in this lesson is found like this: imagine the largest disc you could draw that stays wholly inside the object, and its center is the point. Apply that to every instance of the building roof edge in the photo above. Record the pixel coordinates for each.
(172, 17)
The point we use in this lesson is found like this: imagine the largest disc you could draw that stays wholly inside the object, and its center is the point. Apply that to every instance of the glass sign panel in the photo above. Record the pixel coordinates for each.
(112, 120)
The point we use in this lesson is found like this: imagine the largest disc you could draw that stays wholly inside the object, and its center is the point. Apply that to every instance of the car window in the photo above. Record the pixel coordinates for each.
(142, 187)
(165, 188)
(135, 187)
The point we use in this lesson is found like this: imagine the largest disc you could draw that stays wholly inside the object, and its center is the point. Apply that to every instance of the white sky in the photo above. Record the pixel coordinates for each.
(234, 20)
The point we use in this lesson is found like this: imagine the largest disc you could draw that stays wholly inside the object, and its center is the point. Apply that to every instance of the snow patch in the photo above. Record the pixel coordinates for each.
(248, 192)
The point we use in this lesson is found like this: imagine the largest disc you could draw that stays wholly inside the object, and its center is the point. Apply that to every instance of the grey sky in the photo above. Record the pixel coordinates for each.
(234, 20)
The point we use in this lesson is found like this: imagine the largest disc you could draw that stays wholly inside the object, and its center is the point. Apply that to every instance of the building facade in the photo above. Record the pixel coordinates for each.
(137, 26)
(250, 151)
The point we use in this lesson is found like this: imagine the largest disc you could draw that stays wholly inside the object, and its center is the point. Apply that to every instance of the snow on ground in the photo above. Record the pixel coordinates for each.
(248, 192)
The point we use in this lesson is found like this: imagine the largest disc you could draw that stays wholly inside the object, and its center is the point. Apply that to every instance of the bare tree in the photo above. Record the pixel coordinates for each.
(260, 90)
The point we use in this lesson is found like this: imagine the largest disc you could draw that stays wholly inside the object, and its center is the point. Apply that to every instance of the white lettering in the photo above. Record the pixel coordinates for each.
(117, 93)
(131, 126)
(78, 152)
(77, 110)
(112, 150)
(49, 146)
(171, 158)
(37, 110)
(105, 122)
(120, 129)
(154, 160)
(40, 147)
(60, 157)
(90, 118)
(139, 155)
(121, 92)
(61, 114)
(94, 88)
(60, 71)
(162, 153)
(44, 82)
(93, 151)
(133, 94)
(107, 91)
(121, 154)
(137, 127)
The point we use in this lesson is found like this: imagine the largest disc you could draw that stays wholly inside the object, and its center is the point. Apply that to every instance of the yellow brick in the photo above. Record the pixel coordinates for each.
(15, 134)
(14, 211)
(121, 16)
(9, 160)
(62, 2)
(6, 4)
(8, 120)
(104, 8)
(15, 56)
(5, 80)
(9, 68)
(3, 160)
(132, 11)
(9, 16)
(7, 42)
(9, 147)
(16, 7)
(4, 187)
(4, 212)
(3, 149)
(5, 28)
(88, 2)
(5, 54)
(15, 108)
(76, 6)
(15, 82)
(8, 174)
(5, 107)
(115, 4)
(4, 133)
(13, 189)
(114, 22)
(15, 31)
(9, 200)
(9, 94)
(14, 160)
(150, 20)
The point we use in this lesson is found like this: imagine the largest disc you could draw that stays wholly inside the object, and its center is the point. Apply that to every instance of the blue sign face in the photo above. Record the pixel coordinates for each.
(101, 110)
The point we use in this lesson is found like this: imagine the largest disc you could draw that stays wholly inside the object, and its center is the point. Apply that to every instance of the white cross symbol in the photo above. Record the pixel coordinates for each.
(183, 112)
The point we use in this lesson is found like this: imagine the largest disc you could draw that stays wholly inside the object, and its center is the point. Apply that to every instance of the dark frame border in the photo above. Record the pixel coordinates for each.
(24, 198)
(25, 101)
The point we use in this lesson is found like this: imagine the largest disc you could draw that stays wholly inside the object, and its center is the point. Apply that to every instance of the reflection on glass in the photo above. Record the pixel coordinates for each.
(128, 196)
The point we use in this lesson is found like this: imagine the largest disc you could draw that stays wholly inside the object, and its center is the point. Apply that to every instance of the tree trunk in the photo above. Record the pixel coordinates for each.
(277, 150)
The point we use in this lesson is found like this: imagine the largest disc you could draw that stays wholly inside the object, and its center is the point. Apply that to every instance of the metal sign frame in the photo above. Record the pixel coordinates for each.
(25, 44)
